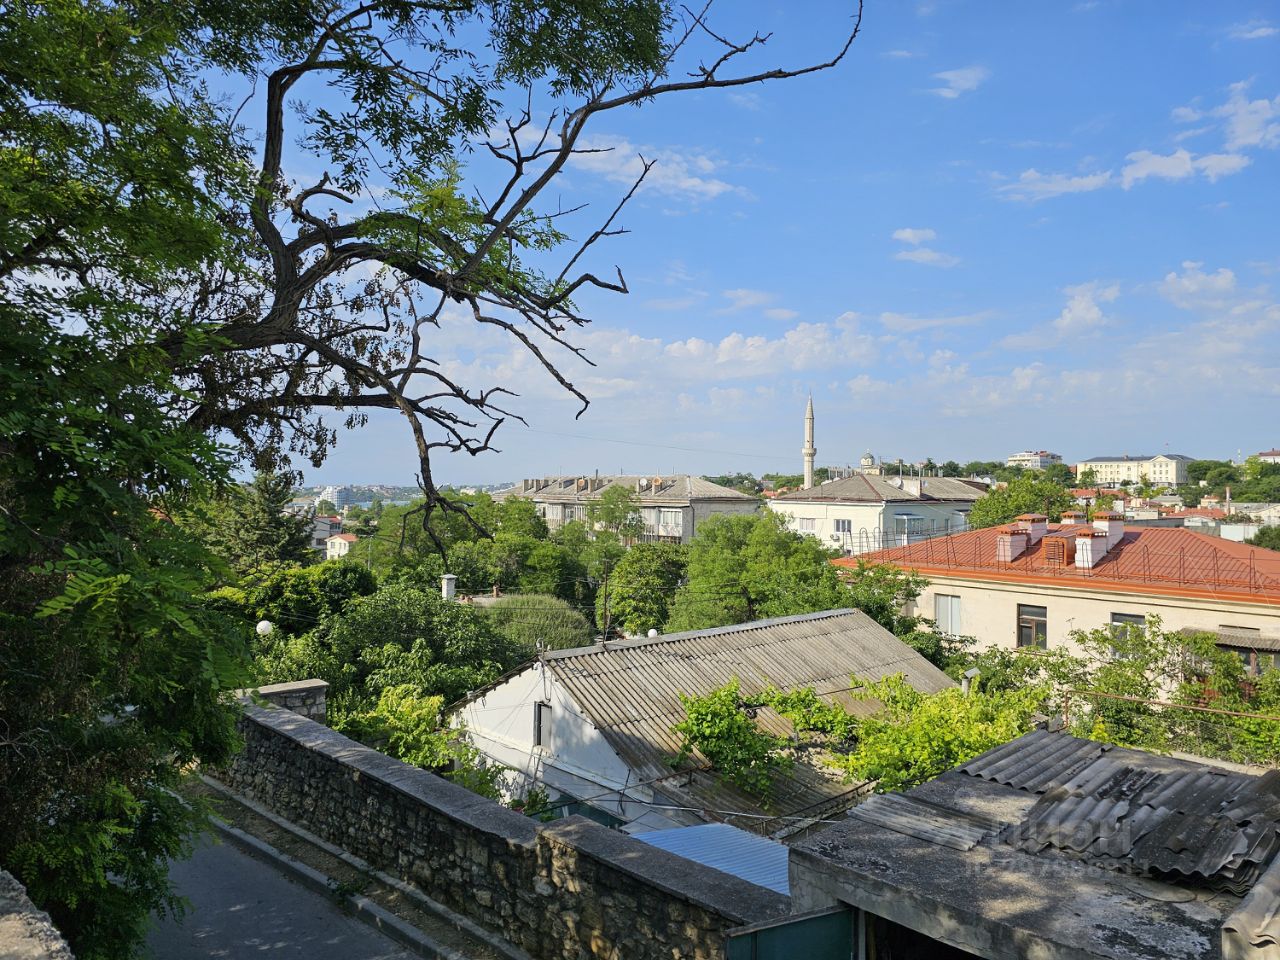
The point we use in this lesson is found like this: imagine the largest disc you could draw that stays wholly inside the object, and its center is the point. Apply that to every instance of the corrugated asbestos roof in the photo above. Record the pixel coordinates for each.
(902, 813)
(630, 690)
(729, 850)
(1034, 762)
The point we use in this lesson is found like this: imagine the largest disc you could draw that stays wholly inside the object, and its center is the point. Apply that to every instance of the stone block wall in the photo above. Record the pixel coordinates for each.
(568, 890)
(306, 697)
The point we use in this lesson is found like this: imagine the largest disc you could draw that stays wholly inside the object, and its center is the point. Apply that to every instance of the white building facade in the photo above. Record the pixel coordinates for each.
(1164, 470)
(1033, 459)
(864, 512)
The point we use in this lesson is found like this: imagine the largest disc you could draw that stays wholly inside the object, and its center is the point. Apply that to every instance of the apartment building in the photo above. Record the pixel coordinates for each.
(1031, 583)
(863, 513)
(671, 506)
(1165, 469)
(1033, 459)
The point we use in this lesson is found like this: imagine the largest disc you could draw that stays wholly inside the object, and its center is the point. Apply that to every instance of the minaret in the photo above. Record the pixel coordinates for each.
(810, 451)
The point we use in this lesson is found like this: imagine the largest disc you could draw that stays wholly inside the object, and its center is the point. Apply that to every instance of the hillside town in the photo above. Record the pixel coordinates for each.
(613, 480)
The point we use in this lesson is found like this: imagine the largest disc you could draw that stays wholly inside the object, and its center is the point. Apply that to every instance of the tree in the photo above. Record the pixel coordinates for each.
(299, 335)
(952, 469)
(616, 512)
(1029, 494)
(1059, 473)
(1088, 477)
(532, 621)
(743, 568)
(718, 726)
(642, 587)
(1268, 537)
(296, 601)
(249, 528)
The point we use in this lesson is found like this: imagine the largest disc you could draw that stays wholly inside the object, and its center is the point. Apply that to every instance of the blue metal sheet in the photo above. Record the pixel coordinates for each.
(729, 850)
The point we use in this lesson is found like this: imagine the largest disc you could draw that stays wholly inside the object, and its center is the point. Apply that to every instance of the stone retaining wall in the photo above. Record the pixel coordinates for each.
(567, 890)
(307, 697)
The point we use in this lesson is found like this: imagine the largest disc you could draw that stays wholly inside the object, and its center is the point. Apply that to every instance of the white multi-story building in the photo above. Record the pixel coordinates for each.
(339, 545)
(1165, 469)
(1269, 456)
(1033, 459)
(322, 528)
(866, 512)
(339, 496)
(671, 506)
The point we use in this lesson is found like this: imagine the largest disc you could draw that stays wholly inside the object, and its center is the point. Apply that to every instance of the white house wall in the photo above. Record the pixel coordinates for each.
(989, 610)
(578, 762)
(872, 525)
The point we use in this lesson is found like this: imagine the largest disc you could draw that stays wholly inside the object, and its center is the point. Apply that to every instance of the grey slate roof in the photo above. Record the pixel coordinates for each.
(630, 690)
(676, 488)
(1039, 816)
(863, 488)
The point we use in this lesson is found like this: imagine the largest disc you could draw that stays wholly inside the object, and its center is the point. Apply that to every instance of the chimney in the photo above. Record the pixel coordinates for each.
(1072, 517)
(1091, 547)
(1011, 543)
(1111, 524)
(1036, 526)
(1060, 549)
(912, 485)
(448, 586)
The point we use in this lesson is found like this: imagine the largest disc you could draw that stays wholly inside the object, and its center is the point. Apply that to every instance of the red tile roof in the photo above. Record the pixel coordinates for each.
(1167, 560)
(349, 537)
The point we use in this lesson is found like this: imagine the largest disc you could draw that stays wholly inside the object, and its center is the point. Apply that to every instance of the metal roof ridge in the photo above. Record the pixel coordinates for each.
(640, 642)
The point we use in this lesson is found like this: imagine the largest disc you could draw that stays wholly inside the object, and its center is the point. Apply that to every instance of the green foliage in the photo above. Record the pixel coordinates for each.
(250, 531)
(747, 567)
(405, 724)
(530, 620)
(917, 736)
(398, 635)
(1027, 494)
(616, 511)
(718, 727)
(1268, 537)
(297, 600)
(641, 587)
(742, 482)
(882, 591)
(810, 714)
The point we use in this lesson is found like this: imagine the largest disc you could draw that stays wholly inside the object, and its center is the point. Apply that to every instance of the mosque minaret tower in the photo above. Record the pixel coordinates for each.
(810, 451)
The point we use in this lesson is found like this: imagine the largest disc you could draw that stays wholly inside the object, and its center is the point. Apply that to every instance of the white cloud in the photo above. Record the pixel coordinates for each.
(924, 255)
(1082, 312)
(1082, 315)
(1195, 288)
(964, 80)
(677, 173)
(1215, 165)
(1252, 30)
(1144, 163)
(1179, 165)
(914, 234)
(1249, 123)
(901, 54)
(781, 313)
(1032, 185)
(905, 323)
(1186, 114)
(743, 298)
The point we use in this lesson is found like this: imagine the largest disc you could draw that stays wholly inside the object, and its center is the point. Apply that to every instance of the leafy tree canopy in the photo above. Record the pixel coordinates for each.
(641, 588)
(1027, 494)
(531, 621)
(249, 528)
(1268, 537)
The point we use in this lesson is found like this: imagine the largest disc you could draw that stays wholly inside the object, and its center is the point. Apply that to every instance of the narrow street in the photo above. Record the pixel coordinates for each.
(244, 907)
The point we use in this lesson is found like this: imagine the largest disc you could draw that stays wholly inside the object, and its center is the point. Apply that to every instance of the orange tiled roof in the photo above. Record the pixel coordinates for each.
(349, 537)
(1166, 560)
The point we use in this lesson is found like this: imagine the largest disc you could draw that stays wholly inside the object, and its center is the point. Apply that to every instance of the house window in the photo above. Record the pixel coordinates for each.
(1033, 626)
(806, 524)
(1121, 621)
(946, 613)
(670, 518)
(844, 526)
(542, 725)
(1256, 662)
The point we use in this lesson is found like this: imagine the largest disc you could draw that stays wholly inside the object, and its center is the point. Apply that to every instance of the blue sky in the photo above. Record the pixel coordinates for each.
(995, 226)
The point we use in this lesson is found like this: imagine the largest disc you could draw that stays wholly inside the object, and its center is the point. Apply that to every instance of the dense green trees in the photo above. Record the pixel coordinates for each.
(1268, 537)
(1026, 494)
(641, 588)
(249, 529)
(537, 621)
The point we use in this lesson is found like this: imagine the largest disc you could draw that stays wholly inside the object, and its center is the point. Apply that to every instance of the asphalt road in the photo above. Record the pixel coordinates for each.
(243, 907)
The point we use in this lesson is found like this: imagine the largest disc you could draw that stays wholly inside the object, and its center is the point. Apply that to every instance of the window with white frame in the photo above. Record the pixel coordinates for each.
(806, 524)
(946, 613)
(844, 526)
(670, 518)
